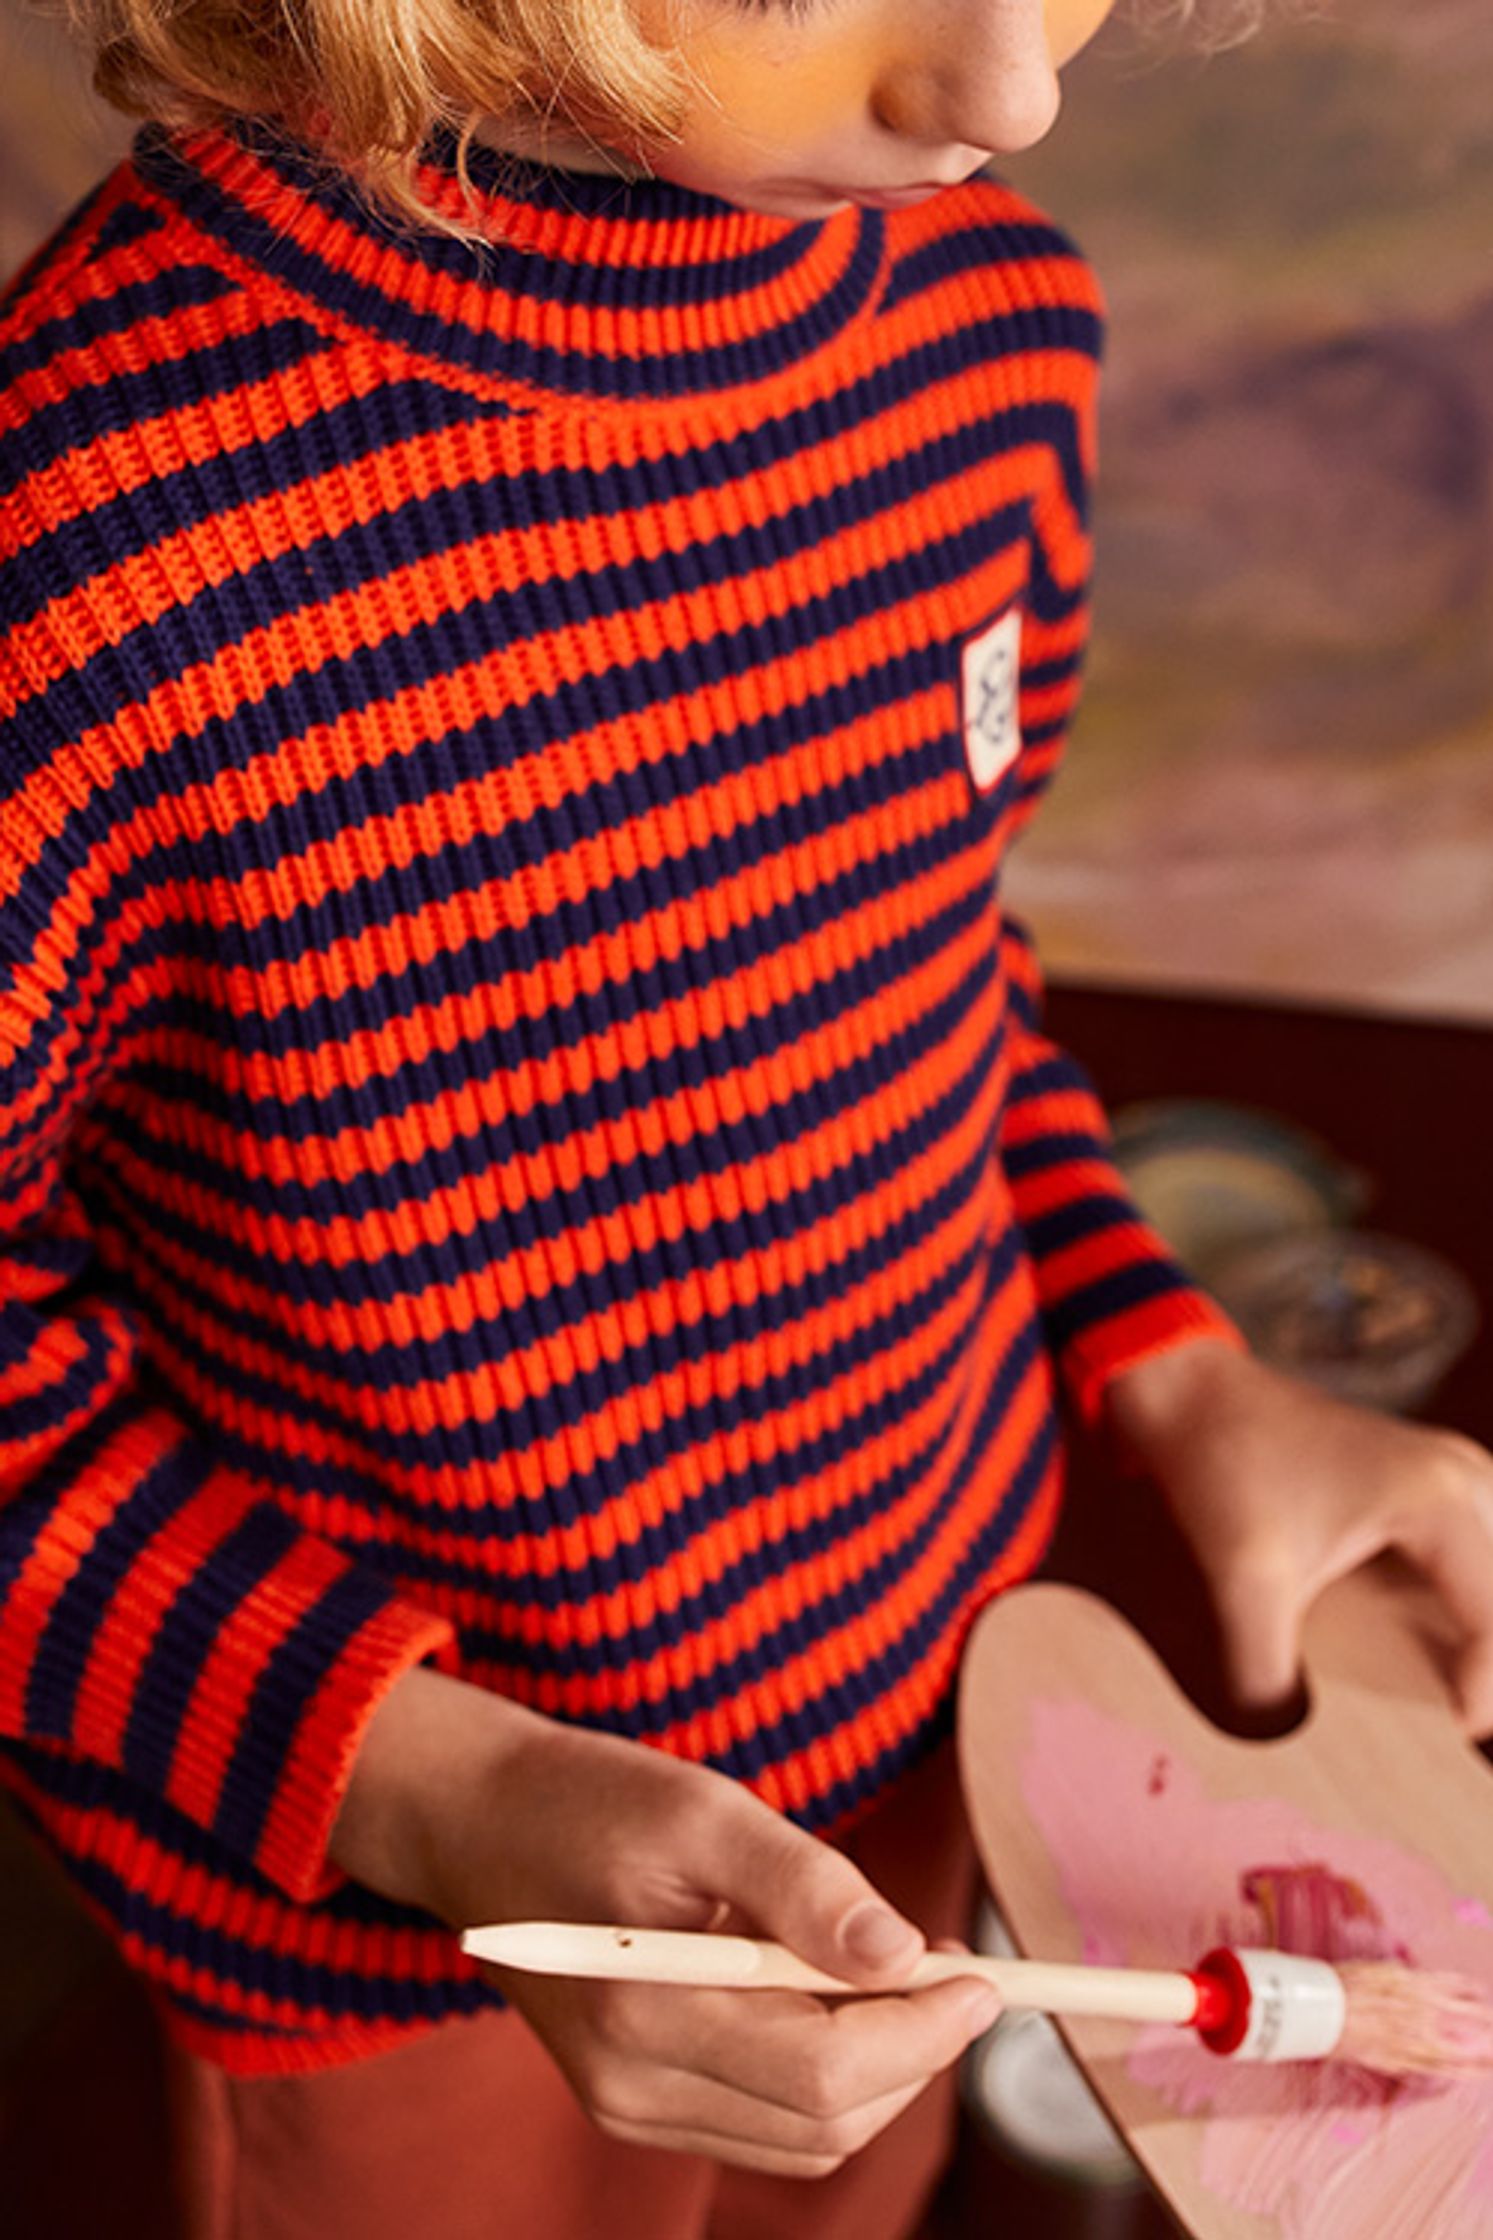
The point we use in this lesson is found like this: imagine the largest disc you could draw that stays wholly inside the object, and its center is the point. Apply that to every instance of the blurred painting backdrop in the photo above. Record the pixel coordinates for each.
(1282, 784)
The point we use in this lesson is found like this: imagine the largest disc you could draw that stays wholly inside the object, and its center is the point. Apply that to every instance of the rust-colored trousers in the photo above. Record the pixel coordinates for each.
(472, 2134)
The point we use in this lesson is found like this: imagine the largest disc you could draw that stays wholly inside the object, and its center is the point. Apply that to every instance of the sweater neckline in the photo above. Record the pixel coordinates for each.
(585, 285)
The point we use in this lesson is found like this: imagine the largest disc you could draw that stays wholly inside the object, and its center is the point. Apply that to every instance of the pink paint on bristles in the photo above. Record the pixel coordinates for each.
(1413, 2022)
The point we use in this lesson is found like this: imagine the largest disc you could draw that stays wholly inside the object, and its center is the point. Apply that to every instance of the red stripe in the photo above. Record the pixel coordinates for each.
(58, 1552)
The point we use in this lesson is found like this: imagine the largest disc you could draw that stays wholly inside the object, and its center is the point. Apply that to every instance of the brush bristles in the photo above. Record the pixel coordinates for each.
(1405, 2022)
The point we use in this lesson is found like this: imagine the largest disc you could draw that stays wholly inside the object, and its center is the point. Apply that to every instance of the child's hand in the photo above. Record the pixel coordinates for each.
(478, 1810)
(1280, 1489)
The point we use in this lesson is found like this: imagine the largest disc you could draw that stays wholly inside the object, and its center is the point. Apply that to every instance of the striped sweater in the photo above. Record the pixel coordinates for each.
(526, 1135)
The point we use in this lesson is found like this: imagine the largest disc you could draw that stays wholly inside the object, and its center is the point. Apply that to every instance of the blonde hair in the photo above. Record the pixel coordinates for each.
(1215, 23)
(368, 82)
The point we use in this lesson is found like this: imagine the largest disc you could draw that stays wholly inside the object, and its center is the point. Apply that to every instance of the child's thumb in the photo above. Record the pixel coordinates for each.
(810, 1897)
(1259, 1619)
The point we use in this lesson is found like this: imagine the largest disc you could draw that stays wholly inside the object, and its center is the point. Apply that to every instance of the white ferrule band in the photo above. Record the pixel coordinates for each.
(1297, 2007)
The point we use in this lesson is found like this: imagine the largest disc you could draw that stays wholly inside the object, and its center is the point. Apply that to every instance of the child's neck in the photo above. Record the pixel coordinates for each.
(560, 148)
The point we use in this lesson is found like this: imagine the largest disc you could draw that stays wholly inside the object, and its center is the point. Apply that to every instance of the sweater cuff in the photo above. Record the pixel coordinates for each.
(330, 1650)
(233, 1659)
(1176, 1317)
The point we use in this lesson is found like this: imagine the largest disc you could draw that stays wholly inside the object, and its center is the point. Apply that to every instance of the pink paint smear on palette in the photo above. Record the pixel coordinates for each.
(1154, 1872)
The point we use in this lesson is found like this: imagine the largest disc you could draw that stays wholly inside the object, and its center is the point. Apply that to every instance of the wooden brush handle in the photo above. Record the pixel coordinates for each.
(688, 1956)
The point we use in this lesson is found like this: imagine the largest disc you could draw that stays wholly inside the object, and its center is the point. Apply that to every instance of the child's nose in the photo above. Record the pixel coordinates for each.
(980, 76)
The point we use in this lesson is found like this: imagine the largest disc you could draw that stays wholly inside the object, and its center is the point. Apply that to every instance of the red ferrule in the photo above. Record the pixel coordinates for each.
(1222, 2015)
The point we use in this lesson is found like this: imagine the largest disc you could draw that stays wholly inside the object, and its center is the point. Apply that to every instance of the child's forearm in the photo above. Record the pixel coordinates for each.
(434, 1751)
(1159, 1397)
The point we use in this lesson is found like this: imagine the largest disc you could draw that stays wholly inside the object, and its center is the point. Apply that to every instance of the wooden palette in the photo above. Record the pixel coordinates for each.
(1116, 1824)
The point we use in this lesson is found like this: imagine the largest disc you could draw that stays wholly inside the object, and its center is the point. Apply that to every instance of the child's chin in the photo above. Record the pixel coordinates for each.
(768, 198)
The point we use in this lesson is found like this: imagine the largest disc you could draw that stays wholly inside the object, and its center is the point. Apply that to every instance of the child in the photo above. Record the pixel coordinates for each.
(542, 1228)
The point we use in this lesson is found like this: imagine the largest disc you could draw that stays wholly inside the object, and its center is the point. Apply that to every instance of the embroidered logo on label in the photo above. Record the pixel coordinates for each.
(989, 675)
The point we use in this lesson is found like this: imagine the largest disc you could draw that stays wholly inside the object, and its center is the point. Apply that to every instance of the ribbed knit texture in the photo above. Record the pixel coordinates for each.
(526, 1138)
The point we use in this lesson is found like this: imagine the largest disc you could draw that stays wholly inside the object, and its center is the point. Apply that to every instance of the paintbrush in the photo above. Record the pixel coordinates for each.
(1252, 2006)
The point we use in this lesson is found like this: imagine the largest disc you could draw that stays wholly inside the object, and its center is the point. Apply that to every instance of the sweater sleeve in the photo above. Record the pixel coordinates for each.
(1111, 1292)
(158, 1613)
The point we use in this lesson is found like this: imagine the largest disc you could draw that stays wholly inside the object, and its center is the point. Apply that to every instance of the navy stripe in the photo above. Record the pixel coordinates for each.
(185, 1638)
(979, 252)
(648, 1451)
(62, 1653)
(293, 1676)
(437, 766)
(1046, 1154)
(1092, 1215)
(1140, 1284)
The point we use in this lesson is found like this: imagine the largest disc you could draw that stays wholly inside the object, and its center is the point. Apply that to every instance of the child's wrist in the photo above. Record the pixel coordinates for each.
(432, 1746)
(1159, 1396)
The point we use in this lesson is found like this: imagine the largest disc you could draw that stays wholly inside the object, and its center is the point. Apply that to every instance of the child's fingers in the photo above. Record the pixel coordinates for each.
(791, 2051)
(1258, 1603)
(772, 2081)
(1449, 1536)
(693, 2116)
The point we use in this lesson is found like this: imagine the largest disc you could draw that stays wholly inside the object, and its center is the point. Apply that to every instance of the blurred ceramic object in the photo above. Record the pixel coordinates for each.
(1059, 2166)
(1370, 1318)
(1214, 1177)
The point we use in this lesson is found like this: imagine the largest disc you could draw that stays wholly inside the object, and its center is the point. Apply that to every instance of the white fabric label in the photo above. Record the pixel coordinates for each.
(989, 676)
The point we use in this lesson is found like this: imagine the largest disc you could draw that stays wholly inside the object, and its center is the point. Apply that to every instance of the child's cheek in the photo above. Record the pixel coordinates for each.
(777, 83)
(1071, 24)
